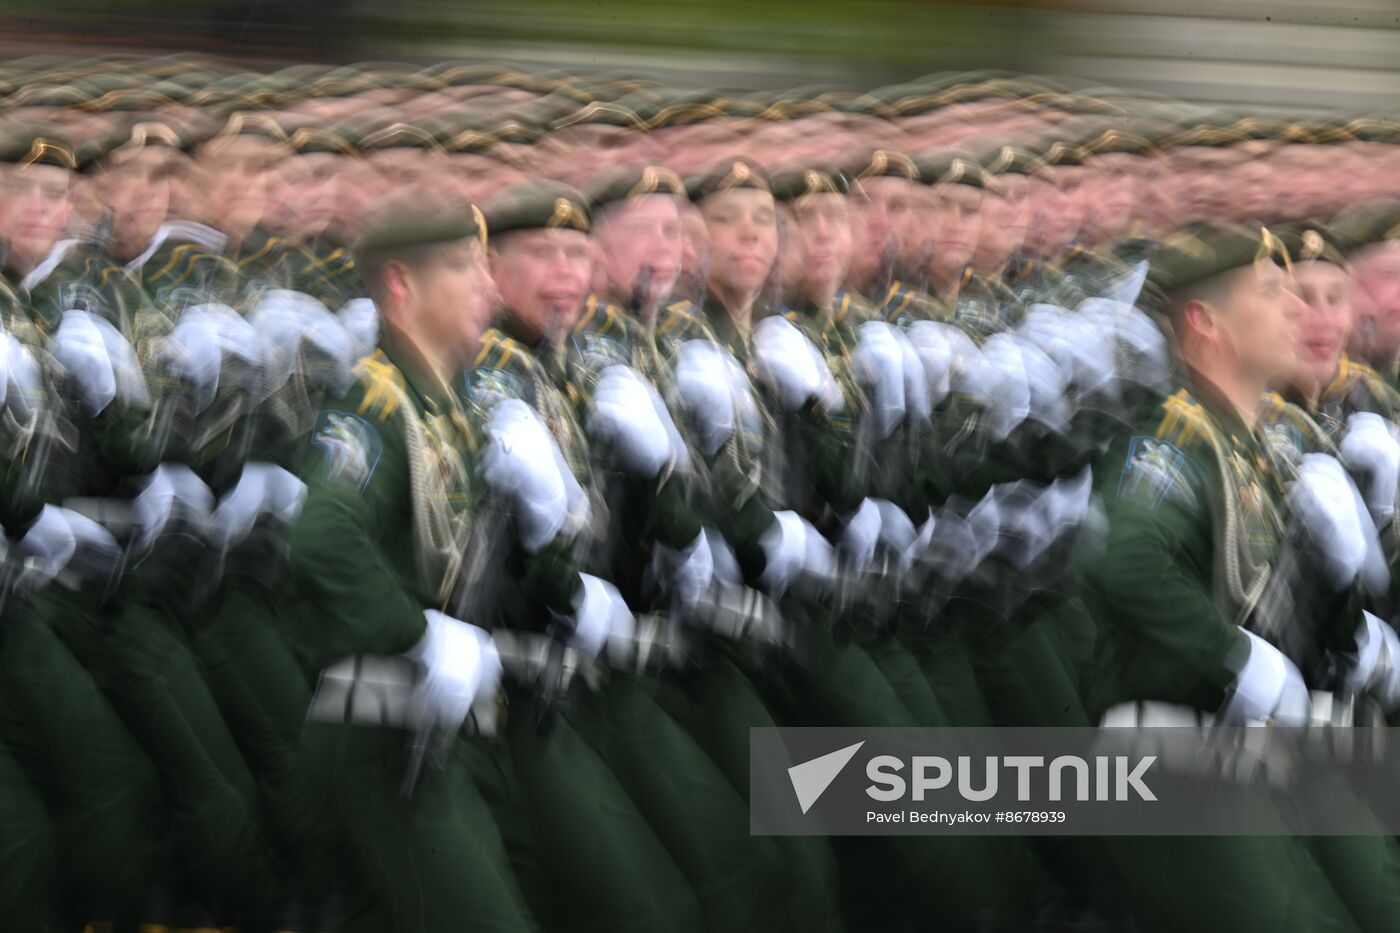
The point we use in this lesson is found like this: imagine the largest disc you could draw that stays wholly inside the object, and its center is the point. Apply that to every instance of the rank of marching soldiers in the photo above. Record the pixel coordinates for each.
(1178, 780)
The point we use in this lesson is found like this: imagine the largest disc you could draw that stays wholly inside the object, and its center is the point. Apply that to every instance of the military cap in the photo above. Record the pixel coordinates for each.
(726, 175)
(789, 184)
(881, 163)
(633, 181)
(1012, 160)
(952, 168)
(34, 144)
(1202, 251)
(310, 141)
(417, 135)
(147, 134)
(242, 124)
(539, 205)
(1115, 141)
(1366, 225)
(406, 224)
(1062, 153)
(1311, 242)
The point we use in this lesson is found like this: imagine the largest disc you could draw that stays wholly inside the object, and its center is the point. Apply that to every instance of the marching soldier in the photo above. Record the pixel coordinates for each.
(518, 386)
(1194, 504)
(368, 598)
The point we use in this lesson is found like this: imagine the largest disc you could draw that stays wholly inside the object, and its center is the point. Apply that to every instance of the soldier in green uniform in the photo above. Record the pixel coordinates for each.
(639, 239)
(520, 381)
(374, 557)
(313, 188)
(133, 631)
(1194, 507)
(1367, 234)
(882, 184)
(953, 188)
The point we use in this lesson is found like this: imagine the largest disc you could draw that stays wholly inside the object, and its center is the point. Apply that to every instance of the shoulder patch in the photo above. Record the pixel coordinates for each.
(382, 383)
(350, 448)
(1157, 471)
(484, 386)
(597, 351)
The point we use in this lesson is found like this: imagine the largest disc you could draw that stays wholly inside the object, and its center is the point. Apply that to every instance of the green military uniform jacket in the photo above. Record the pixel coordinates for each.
(388, 470)
(1194, 506)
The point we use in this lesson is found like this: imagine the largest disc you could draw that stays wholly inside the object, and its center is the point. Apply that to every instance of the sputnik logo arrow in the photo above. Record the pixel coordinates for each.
(811, 778)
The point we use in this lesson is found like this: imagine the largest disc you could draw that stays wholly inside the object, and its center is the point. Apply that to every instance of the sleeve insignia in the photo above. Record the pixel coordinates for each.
(350, 446)
(1157, 471)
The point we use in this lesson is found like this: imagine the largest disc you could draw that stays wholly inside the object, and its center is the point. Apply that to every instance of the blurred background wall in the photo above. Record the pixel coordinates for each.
(1288, 54)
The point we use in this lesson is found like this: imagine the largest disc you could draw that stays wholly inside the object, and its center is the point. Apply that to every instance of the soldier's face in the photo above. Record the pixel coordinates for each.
(1005, 220)
(1326, 321)
(955, 224)
(36, 208)
(238, 174)
(1110, 201)
(743, 228)
(137, 191)
(453, 296)
(884, 218)
(313, 191)
(1376, 273)
(1259, 327)
(642, 234)
(543, 277)
(823, 225)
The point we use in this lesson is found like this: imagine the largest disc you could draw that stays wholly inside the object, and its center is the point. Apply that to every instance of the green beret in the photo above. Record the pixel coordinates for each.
(147, 134)
(408, 225)
(1366, 225)
(1012, 160)
(1202, 251)
(794, 183)
(538, 205)
(952, 168)
(1119, 142)
(309, 141)
(34, 144)
(633, 181)
(1311, 242)
(726, 175)
(881, 163)
(1062, 153)
(401, 136)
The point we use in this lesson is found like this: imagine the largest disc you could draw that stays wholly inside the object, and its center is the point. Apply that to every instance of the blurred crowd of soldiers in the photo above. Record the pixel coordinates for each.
(417, 483)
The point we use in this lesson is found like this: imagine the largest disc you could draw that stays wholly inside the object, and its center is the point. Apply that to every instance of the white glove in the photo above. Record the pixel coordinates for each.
(79, 346)
(630, 416)
(24, 383)
(792, 367)
(1372, 454)
(1268, 688)
(940, 349)
(523, 465)
(878, 365)
(1328, 505)
(694, 569)
(171, 485)
(793, 548)
(1046, 384)
(462, 668)
(262, 489)
(1065, 503)
(1377, 669)
(335, 349)
(1128, 286)
(360, 318)
(601, 619)
(861, 534)
(50, 544)
(702, 382)
(1008, 402)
